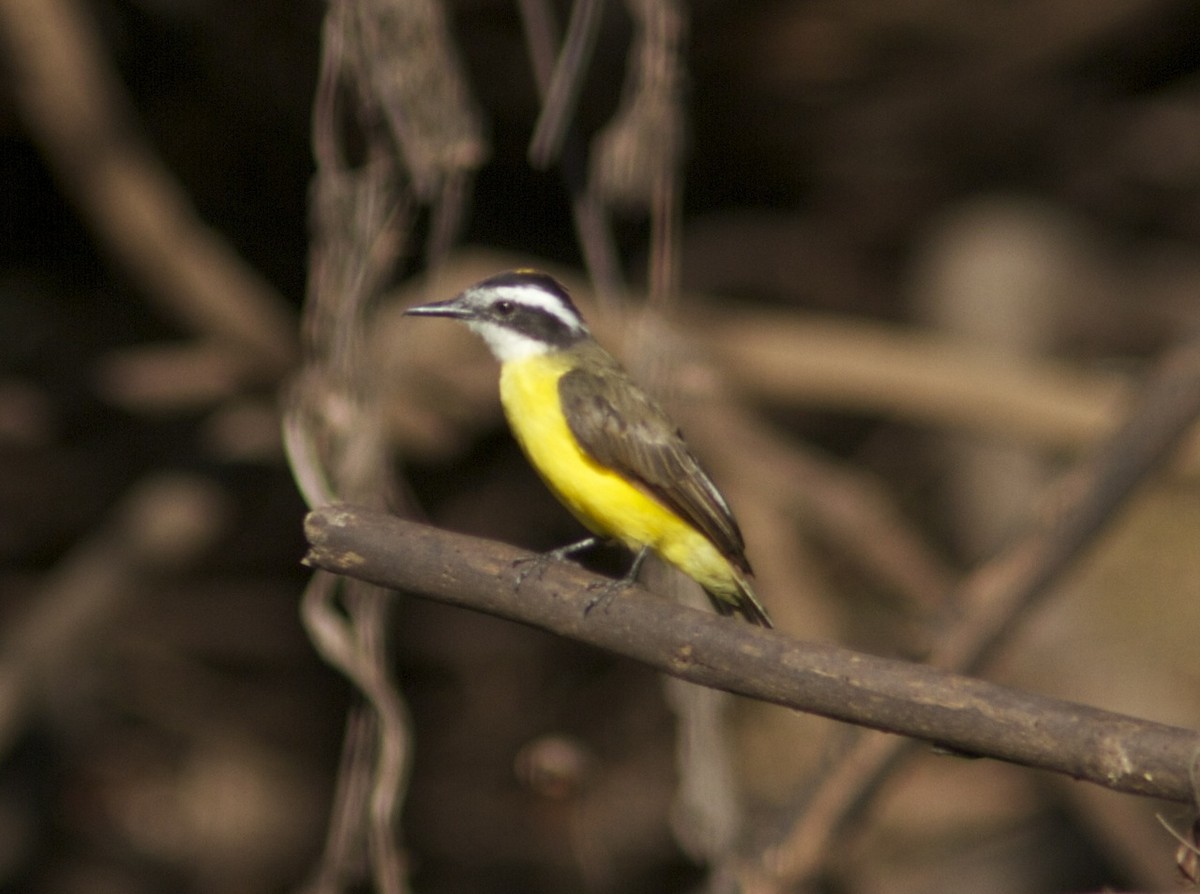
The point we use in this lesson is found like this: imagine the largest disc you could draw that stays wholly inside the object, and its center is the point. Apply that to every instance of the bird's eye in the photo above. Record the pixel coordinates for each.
(505, 308)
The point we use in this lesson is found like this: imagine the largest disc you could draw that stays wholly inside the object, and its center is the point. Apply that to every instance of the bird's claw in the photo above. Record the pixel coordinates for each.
(606, 592)
(527, 565)
(537, 564)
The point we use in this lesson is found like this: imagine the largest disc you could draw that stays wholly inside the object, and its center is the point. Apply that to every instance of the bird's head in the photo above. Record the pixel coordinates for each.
(519, 314)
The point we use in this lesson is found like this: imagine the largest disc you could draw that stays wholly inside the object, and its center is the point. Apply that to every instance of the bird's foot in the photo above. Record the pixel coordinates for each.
(528, 565)
(606, 591)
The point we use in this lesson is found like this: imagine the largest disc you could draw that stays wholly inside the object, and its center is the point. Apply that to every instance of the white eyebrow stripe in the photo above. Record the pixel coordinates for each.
(533, 296)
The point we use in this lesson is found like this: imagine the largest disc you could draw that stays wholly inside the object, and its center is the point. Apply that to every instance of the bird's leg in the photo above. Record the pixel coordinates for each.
(537, 564)
(608, 589)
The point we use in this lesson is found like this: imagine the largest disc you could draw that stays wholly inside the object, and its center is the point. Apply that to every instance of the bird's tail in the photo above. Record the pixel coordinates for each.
(742, 601)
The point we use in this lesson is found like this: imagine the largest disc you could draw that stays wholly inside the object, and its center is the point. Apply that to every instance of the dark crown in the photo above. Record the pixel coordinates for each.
(526, 276)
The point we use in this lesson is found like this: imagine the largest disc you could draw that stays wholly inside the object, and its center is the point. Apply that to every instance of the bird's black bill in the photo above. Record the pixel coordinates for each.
(452, 308)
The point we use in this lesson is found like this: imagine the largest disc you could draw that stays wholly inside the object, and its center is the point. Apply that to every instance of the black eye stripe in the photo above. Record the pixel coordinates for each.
(534, 322)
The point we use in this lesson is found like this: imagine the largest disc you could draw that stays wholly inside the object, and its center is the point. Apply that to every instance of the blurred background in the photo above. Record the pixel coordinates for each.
(927, 247)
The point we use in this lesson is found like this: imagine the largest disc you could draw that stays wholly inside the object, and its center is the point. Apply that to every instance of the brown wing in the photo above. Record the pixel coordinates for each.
(621, 427)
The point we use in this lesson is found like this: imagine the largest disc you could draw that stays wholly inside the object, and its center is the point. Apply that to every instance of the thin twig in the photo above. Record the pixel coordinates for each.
(388, 70)
(917, 375)
(346, 643)
(854, 366)
(959, 713)
(591, 220)
(342, 845)
(79, 114)
(996, 597)
(411, 74)
(641, 149)
(845, 507)
(562, 91)
(164, 523)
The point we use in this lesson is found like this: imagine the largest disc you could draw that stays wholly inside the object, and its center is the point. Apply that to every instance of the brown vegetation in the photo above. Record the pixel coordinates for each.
(918, 281)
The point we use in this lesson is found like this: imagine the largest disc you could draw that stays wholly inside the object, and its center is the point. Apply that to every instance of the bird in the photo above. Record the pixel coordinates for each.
(605, 448)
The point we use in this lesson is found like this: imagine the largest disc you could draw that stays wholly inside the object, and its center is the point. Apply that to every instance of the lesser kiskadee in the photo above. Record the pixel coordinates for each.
(602, 445)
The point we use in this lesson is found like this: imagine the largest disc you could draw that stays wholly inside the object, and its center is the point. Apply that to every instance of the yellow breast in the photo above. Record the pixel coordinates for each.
(605, 502)
(600, 498)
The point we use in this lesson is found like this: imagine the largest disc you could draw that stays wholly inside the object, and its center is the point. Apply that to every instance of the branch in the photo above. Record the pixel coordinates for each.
(1000, 594)
(564, 85)
(917, 375)
(792, 360)
(591, 222)
(960, 713)
(162, 526)
(79, 115)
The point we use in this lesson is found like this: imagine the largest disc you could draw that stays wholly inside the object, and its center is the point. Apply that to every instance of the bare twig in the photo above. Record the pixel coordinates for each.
(844, 507)
(562, 90)
(1120, 829)
(1074, 512)
(169, 376)
(342, 837)
(413, 79)
(164, 523)
(640, 150)
(916, 375)
(387, 71)
(591, 221)
(79, 114)
(355, 646)
(995, 598)
(964, 714)
(922, 377)
(842, 787)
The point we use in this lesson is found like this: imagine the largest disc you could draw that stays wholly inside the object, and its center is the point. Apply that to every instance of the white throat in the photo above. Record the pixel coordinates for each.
(505, 344)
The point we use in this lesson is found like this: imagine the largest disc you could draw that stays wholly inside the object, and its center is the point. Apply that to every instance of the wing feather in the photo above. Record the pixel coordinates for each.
(622, 427)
